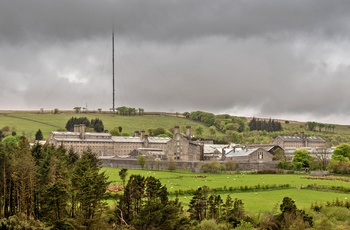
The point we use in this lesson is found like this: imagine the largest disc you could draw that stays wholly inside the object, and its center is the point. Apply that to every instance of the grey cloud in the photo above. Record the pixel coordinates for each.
(281, 58)
(169, 21)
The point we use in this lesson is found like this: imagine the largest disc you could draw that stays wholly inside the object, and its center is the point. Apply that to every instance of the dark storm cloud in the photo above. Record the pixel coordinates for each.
(170, 20)
(253, 58)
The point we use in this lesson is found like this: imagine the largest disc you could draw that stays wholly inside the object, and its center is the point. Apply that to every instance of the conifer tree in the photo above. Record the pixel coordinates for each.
(38, 135)
(90, 191)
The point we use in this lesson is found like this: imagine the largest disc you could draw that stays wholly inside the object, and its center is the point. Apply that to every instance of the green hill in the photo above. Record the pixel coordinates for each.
(27, 123)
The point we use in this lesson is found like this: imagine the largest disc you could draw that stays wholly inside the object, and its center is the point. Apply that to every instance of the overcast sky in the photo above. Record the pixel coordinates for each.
(262, 58)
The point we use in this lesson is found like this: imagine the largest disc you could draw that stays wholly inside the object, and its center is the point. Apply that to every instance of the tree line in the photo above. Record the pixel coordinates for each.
(221, 122)
(313, 126)
(262, 125)
(57, 187)
(129, 111)
(95, 124)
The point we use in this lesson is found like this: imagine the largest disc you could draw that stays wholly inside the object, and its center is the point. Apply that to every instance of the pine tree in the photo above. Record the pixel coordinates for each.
(199, 204)
(39, 135)
(89, 191)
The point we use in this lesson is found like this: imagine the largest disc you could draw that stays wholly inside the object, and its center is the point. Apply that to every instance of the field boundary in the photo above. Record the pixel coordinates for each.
(31, 120)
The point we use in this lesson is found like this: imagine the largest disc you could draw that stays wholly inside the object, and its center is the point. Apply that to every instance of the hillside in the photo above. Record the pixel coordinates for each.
(28, 122)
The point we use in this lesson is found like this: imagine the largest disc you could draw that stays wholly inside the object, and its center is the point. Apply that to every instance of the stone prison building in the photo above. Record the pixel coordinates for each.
(180, 147)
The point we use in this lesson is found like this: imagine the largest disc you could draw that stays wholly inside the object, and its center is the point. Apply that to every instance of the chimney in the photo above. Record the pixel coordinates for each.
(82, 131)
(142, 134)
(176, 130)
(136, 134)
(76, 128)
(223, 154)
(145, 142)
(188, 131)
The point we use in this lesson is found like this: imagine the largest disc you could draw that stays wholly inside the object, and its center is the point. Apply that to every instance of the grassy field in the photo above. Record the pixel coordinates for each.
(29, 122)
(255, 201)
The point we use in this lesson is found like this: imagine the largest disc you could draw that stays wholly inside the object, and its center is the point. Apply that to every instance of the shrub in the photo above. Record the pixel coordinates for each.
(211, 167)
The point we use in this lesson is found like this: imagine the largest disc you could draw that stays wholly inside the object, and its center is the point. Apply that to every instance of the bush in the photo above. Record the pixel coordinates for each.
(341, 167)
(211, 167)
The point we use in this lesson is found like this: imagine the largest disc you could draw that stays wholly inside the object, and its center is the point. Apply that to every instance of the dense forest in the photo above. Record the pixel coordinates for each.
(51, 186)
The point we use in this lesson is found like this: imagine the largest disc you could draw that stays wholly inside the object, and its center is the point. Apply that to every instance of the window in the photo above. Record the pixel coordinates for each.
(260, 155)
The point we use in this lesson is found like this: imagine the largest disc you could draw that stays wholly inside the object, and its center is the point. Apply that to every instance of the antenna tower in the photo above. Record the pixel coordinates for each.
(113, 70)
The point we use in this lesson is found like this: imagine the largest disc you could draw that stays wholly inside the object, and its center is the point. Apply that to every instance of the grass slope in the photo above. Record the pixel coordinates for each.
(29, 122)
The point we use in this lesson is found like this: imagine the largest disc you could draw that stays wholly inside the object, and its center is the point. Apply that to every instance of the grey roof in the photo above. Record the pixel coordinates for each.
(126, 139)
(72, 139)
(210, 148)
(297, 138)
(159, 139)
(240, 153)
(139, 140)
(316, 139)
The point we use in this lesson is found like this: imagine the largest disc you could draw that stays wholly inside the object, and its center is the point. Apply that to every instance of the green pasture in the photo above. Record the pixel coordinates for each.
(269, 201)
(186, 180)
(29, 122)
(255, 201)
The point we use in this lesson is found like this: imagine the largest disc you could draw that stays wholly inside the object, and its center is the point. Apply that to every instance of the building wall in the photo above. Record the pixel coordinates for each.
(258, 156)
(190, 165)
(178, 148)
(181, 148)
(298, 143)
(316, 144)
(124, 148)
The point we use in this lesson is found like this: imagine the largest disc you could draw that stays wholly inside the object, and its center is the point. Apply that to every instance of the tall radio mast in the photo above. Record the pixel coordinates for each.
(113, 70)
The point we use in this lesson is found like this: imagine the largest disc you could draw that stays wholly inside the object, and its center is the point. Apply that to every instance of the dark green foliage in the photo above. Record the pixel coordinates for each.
(131, 202)
(312, 126)
(156, 215)
(128, 111)
(263, 125)
(39, 135)
(122, 174)
(145, 205)
(198, 205)
(95, 124)
(290, 214)
(215, 206)
(89, 186)
(77, 121)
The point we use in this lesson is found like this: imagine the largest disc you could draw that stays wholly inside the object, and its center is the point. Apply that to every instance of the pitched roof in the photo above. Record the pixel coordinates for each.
(297, 138)
(139, 140)
(240, 153)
